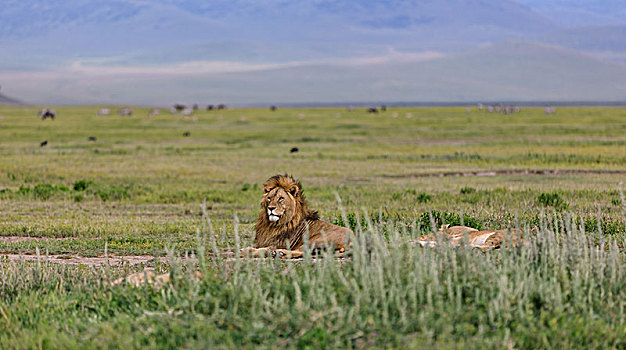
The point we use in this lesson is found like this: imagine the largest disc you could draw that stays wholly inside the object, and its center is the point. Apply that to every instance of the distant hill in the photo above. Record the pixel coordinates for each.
(608, 42)
(512, 71)
(490, 48)
(153, 32)
(8, 100)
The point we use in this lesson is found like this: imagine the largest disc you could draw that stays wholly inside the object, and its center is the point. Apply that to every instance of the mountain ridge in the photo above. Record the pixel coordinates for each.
(512, 71)
(50, 48)
(5, 100)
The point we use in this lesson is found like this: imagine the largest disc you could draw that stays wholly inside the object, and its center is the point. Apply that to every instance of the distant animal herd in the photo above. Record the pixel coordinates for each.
(184, 110)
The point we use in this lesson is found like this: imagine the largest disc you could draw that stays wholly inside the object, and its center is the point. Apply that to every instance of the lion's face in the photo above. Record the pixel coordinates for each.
(279, 205)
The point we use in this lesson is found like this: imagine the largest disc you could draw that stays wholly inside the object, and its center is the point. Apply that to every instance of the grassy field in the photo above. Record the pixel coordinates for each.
(139, 187)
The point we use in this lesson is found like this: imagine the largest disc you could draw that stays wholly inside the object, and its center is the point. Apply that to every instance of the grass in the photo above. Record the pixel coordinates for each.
(139, 189)
(557, 291)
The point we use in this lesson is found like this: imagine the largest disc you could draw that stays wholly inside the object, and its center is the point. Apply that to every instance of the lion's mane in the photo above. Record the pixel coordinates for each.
(278, 234)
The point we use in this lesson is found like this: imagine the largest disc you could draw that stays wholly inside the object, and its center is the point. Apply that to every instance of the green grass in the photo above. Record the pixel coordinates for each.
(139, 190)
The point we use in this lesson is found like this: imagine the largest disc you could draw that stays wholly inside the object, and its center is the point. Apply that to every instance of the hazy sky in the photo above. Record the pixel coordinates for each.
(161, 52)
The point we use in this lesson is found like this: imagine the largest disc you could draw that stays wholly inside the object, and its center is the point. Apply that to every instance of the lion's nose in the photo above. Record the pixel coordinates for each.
(271, 208)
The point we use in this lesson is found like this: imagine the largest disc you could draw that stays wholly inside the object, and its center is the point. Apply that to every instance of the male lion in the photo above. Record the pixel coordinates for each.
(285, 219)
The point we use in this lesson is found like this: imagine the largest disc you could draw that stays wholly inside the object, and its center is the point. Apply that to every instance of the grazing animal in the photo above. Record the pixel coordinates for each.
(221, 106)
(210, 107)
(484, 240)
(294, 150)
(179, 107)
(273, 108)
(372, 110)
(549, 110)
(383, 108)
(43, 143)
(92, 139)
(47, 113)
(103, 111)
(186, 134)
(285, 219)
(187, 111)
(126, 111)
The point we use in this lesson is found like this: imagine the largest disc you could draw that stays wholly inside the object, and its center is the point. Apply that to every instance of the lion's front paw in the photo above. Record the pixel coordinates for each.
(287, 254)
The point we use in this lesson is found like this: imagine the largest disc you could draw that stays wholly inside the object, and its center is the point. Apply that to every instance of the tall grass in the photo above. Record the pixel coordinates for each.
(560, 289)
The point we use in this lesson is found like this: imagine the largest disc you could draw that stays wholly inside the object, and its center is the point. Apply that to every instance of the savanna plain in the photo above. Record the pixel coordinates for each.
(110, 195)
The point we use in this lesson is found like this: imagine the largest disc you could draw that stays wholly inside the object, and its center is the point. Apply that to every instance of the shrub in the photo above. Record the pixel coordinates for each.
(552, 199)
(467, 190)
(43, 191)
(82, 185)
(424, 197)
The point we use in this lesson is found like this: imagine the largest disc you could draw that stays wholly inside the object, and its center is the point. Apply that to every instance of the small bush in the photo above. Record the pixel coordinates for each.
(467, 190)
(552, 199)
(82, 185)
(424, 197)
(79, 198)
(245, 187)
(44, 191)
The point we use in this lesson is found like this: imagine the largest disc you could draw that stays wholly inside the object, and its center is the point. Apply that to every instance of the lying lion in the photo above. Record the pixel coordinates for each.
(285, 219)
(484, 240)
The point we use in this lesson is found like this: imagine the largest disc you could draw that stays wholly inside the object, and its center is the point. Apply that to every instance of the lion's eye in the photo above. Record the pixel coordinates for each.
(280, 199)
(268, 199)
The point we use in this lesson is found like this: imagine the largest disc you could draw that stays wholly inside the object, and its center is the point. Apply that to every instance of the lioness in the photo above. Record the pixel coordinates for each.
(484, 240)
(284, 220)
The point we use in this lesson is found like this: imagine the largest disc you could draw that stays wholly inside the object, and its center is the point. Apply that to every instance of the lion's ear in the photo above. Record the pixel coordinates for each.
(294, 190)
(266, 189)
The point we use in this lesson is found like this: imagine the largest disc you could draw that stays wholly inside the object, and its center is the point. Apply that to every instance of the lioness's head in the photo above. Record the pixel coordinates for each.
(282, 199)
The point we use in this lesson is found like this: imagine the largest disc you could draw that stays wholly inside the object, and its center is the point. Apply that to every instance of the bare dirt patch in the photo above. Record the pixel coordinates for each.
(12, 239)
(113, 260)
(126, 260)
(509, 172)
